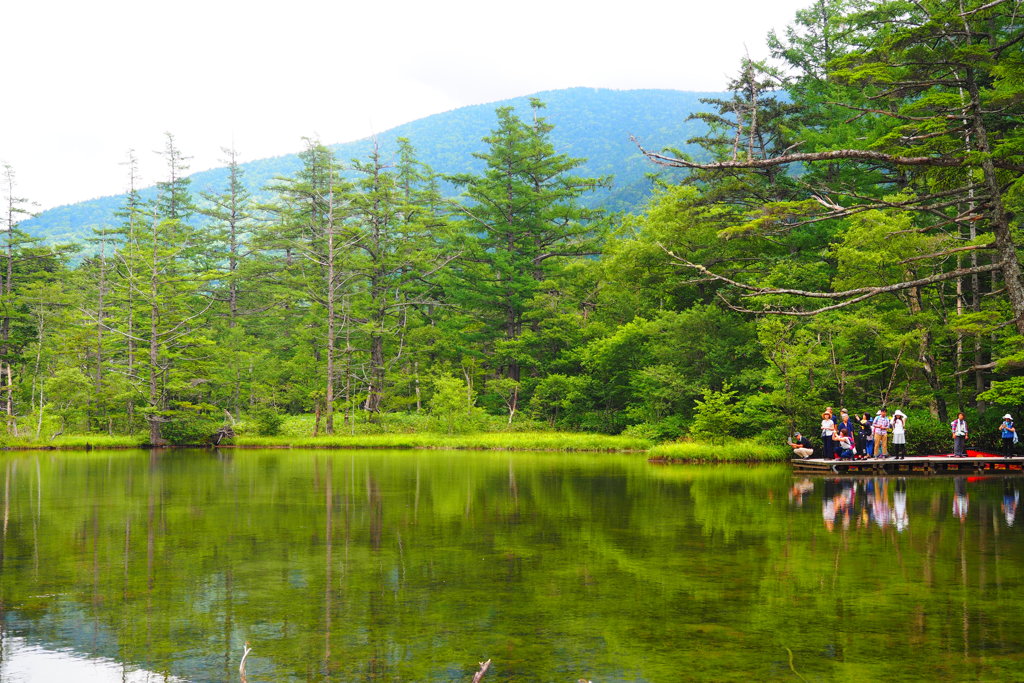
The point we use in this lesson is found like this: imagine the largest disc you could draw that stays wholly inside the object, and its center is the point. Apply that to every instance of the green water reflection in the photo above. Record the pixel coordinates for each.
(413, 566)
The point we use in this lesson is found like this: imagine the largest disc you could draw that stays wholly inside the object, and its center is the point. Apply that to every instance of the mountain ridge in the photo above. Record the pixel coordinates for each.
(590, 123)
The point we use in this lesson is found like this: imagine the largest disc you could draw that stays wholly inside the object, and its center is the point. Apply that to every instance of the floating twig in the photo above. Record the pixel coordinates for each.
(793, 668)
(484, 666)
(241, 666)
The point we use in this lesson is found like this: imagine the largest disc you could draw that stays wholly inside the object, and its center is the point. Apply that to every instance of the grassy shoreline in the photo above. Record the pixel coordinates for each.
(505, 441)
(689, 451)
(735, 451)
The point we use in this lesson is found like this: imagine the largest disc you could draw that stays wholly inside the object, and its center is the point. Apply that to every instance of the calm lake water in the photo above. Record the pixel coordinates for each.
(414, 566)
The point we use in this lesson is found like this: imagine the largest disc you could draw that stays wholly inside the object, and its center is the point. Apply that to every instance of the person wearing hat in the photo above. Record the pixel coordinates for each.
(802, 446)
(899, 435)
(1009, 434)
(828, 430)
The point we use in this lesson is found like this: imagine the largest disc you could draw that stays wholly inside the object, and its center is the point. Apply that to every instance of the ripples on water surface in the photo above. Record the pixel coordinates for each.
(414, 566)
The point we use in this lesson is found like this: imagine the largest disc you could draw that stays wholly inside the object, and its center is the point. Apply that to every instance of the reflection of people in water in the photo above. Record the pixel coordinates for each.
(1011, 498)
(799, 490)
(960, 498)
(828, 503)
(837, 499)
(880, 509)
(899, 504)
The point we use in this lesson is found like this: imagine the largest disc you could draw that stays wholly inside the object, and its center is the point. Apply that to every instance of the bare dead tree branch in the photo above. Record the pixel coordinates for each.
(976, 10)
(809, 157)
(848, 297)
(484, 666)
(973, 368)
(938, 254)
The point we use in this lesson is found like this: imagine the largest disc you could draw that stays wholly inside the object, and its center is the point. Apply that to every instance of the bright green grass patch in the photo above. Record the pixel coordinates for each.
(519, 441)
(100, 441)
(738, 450)
(298, 426)
(77, 441)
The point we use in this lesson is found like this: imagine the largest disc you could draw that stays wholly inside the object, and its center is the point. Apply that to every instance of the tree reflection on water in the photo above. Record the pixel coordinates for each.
(402, 566)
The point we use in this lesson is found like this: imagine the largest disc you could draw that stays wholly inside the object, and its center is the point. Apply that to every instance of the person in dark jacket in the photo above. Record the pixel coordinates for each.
(866, 444)
(801, 446)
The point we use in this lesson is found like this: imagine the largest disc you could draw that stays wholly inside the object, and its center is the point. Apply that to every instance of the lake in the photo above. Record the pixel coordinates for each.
(417, 565)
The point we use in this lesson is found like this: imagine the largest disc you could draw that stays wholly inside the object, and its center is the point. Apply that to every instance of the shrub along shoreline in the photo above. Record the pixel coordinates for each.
(733, 450)
(688, 451)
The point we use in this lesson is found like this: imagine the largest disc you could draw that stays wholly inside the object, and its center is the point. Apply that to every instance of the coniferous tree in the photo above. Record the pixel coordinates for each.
(523, 223)
(398, 252)
(315, 246)
(164, 267)
(233, 223)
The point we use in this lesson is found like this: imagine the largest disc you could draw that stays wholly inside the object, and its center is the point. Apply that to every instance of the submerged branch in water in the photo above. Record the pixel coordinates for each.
(484, 666)
(241, 666)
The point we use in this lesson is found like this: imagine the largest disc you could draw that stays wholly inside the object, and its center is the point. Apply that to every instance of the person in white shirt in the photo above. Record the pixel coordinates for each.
(959, 428)
(899, 435)
(828, 429)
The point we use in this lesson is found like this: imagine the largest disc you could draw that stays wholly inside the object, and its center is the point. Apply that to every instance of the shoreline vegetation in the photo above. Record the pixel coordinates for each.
(458, 431)
(380, 296)
(734, 450)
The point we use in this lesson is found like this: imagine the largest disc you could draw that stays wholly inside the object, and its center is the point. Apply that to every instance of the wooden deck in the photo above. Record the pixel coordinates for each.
(977, 461)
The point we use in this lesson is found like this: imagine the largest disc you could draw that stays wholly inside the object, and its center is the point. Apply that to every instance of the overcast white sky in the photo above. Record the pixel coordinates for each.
(85, 81)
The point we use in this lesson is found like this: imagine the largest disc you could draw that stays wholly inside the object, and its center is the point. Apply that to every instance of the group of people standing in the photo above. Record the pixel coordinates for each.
(862, 437)
(1007, 433)
(857, 437)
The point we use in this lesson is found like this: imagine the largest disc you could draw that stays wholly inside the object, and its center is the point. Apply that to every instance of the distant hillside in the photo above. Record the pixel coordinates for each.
(590, 123)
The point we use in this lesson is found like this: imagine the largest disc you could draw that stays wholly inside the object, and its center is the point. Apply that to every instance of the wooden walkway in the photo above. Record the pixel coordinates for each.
(977, 461)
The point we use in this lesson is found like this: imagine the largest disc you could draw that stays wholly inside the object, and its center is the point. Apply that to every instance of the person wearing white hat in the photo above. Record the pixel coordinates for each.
(899, 435)
(1009, 434)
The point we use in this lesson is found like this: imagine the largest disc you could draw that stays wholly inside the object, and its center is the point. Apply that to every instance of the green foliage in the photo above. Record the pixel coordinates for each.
(266, 420)
(557, 399)
(190, 429)
(69, 390)
(666, 428)
(339, 290)
(523, 225)
(453, 405)
(716, 417)
(927, 436)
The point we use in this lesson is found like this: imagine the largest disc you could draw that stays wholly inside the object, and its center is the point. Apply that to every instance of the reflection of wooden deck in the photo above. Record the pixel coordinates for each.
(978, 461)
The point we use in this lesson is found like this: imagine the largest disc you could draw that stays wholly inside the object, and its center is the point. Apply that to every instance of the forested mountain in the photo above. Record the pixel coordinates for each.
(594, 124)
(842, 230)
